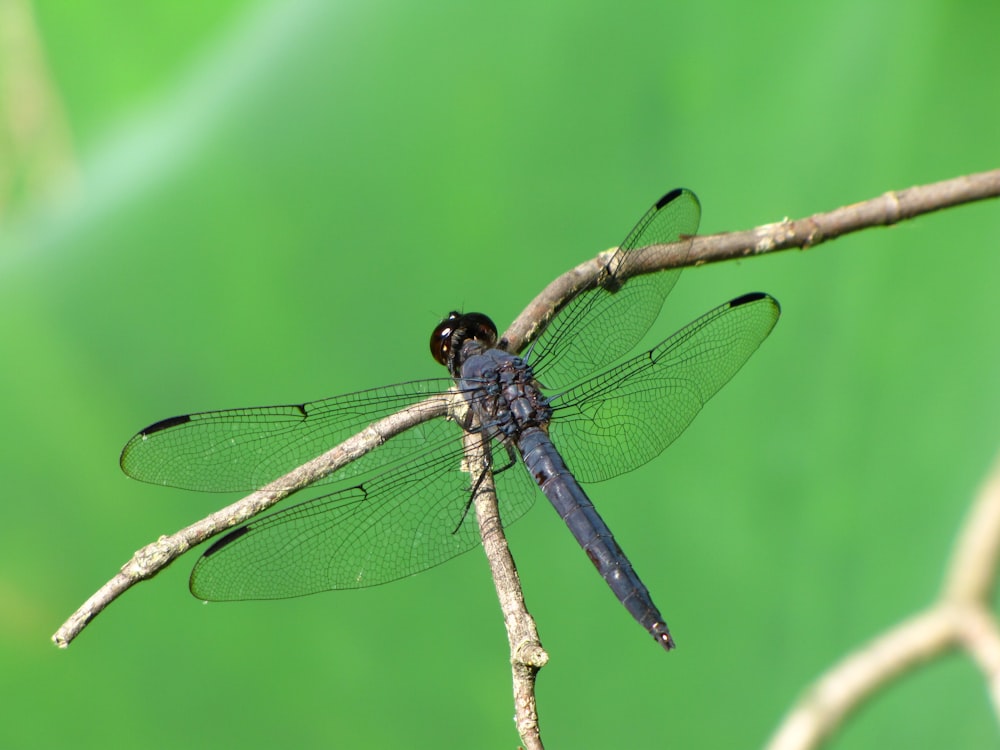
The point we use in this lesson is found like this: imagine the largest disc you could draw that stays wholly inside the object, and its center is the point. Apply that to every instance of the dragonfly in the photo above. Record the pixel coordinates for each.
(572, 409)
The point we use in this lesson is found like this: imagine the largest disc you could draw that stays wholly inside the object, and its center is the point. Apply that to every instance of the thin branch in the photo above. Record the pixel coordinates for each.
(960, 618)
(807, 232)
(152, 558)
(527, 653)
(887, 209)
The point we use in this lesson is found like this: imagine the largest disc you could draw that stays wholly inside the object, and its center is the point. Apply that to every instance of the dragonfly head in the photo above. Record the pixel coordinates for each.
(450, 335)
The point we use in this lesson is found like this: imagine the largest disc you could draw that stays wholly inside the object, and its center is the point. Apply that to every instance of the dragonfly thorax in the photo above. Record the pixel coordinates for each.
(502, 391)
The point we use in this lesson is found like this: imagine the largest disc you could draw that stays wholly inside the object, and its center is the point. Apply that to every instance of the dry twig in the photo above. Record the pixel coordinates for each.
(526, 653)
(960, 618)
(975, 629)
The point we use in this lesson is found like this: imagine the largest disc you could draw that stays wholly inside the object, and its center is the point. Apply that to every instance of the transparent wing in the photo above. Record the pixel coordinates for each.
(624, 417)
(602, 324)
(244, 449)
(393, 525)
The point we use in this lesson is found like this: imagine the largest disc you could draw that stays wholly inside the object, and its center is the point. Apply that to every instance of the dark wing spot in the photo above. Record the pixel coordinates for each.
(747, 298)
(672, 195)
(226, 540)
(166, 424)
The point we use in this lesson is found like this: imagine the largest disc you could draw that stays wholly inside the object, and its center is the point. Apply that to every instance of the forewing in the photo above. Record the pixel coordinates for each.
(244, 449)
(604, 323)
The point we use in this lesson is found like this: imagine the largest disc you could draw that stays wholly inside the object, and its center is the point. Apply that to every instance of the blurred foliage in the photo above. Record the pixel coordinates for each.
(274, 202)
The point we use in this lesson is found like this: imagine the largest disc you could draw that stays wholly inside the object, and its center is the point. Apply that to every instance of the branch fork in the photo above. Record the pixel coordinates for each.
(960, 619)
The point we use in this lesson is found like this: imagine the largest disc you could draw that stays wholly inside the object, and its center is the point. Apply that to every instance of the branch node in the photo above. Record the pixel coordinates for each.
(815, 235)
(768, 237)
(530, 653)
(893, 208)
(149, 560)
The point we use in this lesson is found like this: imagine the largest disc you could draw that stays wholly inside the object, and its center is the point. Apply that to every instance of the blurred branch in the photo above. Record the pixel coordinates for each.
(960, 618)
(35, 146)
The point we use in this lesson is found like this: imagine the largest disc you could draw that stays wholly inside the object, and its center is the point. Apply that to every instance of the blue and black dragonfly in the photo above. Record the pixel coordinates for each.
(571, 410)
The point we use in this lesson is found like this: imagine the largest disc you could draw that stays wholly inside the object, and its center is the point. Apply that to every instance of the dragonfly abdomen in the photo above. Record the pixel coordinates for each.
(574, 507)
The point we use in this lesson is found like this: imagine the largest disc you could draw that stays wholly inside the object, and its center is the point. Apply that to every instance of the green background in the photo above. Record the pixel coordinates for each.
(276, 202)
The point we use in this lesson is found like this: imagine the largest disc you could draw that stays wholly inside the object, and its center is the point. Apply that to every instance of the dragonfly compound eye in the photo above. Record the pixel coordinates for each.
(458, 328)
(441, 338)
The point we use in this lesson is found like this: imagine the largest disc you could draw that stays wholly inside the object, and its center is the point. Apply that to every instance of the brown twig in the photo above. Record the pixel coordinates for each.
(887, 209)
(152, 558)
(527, 655)
(961, 618)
